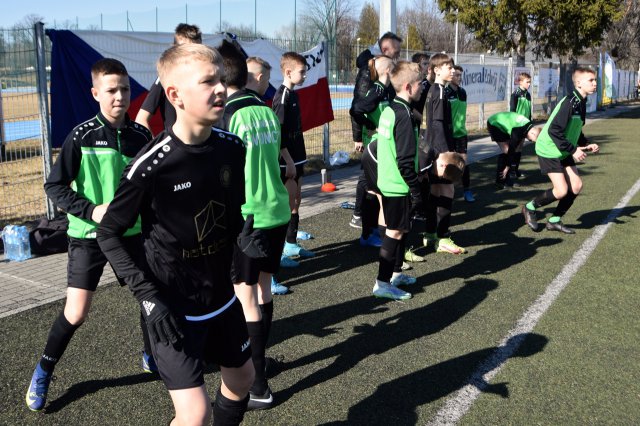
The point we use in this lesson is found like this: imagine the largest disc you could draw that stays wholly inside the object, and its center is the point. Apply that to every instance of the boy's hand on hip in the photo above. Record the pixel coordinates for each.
(98, 212)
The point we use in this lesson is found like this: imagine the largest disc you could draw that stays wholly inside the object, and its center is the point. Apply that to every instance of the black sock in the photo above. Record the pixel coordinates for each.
(387, 258)
(397, 266)
(446, 204)
(503, 159)
(370, 208)
(565, 204)
(59, 337)
(517, 156)
(361, 192)
(267, 318)
(145, 335)
(466, 178)
(431, 218)
(292, 230)
(258, 341)
(543, 199)
(227, 412)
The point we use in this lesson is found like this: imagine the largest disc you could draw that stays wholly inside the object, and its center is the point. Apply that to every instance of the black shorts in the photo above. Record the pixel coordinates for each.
(299, 173)
(461, 144)
(498, 135)
(222, 340)
(397, 213)
(370, 168)
(86, 261)
(247, 270)
(555, 165)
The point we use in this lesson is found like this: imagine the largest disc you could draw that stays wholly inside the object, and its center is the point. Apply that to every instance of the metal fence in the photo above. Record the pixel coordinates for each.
(24, 117)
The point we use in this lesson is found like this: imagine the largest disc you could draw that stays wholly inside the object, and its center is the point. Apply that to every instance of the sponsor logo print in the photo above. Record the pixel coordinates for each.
(148, 307)
(102, 143)
(181, 186)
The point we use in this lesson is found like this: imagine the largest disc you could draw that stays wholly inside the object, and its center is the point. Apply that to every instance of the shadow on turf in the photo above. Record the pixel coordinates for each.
(80, 390)
(387, 334)
(395, 402)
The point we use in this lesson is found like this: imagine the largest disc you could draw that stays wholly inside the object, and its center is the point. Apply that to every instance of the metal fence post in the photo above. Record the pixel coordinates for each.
(509, 83)
(481, 109)
(326, 140)
(43, 102)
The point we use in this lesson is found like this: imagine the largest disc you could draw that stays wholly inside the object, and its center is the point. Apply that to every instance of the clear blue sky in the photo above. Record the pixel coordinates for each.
(271, 14)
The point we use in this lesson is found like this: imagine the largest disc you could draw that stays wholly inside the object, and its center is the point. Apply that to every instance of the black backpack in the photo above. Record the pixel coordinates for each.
(50, 236)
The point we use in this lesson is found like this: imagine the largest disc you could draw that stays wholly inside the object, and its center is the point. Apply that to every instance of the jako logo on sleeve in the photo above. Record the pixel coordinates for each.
(181, 186)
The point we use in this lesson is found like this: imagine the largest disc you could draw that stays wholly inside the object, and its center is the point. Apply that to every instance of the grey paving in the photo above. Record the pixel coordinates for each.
(41, 280)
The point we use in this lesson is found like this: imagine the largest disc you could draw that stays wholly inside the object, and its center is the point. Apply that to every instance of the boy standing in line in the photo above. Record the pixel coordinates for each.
(188, 187)
(457, 97)
(82, 182)
(520, 103)
(560, 145)
(508, 129)
(398, 179)
(266, 206)
(439, 137)
(156, 99)
(287, 108)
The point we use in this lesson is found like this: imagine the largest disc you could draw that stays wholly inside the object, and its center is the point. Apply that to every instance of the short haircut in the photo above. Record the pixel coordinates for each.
(535, 131)
(418, 57)
(235, 65)
(458, 68)
(189, 32)
(404, 73)
(258, 60)
(523, 76)
(107, 66)
(388, 36)
(380, 62)
(581, 70)
(290, 59)
(454, 166)
(184, 54)
(440, 59)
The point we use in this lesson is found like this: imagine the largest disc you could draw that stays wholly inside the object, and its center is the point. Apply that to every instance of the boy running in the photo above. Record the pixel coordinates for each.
(287, 107)
(82, 182)
(398, 179)
(560, 145)
(188, 187)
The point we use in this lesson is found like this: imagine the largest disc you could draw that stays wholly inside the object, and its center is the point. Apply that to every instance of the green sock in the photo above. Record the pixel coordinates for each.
(530, 206)
(554, 219)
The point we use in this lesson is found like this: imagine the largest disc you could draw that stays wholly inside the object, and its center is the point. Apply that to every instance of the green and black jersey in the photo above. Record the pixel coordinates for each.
(563, 131)
(248, 117)
(398, 151)
(512, 125)
(366, 111)
(521, 102)
(458, 100)
(88, 170)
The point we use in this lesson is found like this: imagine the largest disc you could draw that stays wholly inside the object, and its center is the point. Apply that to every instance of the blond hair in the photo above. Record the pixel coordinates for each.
(579, 71)
(185, 54)
(523, 76)
(291, 59)
(404, 73)
(265, 66)
(378, 65)
(454, 166)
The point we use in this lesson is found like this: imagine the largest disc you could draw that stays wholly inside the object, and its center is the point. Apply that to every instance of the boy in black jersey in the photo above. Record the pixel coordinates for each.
(287, 107)
(457, 97)
(520, 103)
(422, 59)
(93, 157)
(188, 187)
(266, 206)
(439, 137)
(156, 99)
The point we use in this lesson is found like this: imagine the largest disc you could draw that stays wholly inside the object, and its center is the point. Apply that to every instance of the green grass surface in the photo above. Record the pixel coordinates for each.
(350, 358)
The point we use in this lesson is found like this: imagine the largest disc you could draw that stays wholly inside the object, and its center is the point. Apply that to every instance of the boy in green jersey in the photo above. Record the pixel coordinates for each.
(560, 145)
(457, 97)
(266, 206)
(507, 129)
(398, 179)
(520, 103)
(82, 182)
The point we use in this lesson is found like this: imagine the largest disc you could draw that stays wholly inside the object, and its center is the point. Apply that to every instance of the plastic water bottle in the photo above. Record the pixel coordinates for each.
(16, 243)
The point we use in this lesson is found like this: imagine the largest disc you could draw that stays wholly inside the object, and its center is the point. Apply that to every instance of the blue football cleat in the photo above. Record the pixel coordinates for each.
(148, 363)
(277, 288)
(38, 389)
(292, 250)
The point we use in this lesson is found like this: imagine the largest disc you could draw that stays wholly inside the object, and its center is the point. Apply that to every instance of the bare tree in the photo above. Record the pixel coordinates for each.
(623, 38)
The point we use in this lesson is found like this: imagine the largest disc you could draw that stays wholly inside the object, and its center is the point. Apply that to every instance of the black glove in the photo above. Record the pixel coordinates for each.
(253, 242)
(161, 323)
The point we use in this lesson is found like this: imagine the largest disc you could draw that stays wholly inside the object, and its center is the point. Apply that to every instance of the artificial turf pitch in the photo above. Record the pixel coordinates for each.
(350, 358)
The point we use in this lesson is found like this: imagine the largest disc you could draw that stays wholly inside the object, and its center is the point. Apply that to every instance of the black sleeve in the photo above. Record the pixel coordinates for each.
(154, 98)
(405, 140)
(437, 127)
(365, 105)
(513, 103)
(558, 126)
(64, 171)
(279, 107)
(121, 215)
(582, 140)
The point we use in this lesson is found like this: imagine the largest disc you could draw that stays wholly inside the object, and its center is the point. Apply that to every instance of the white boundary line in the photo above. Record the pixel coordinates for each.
(458, 405)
